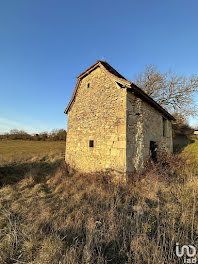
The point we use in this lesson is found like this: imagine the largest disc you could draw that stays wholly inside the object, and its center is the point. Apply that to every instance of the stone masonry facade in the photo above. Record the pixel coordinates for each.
(110, 127)
(145, 124)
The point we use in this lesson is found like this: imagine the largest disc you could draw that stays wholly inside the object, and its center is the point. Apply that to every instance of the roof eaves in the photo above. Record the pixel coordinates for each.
(73, 96)
(88, 70)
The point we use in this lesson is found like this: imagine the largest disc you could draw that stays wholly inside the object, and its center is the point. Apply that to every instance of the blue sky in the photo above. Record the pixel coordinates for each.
(45, 44)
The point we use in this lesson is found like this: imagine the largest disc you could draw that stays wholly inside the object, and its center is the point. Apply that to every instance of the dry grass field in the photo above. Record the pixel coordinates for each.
(48, 216)
(22, 151)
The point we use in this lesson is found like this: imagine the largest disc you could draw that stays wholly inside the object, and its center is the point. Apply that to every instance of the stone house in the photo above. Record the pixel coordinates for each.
(113, 124)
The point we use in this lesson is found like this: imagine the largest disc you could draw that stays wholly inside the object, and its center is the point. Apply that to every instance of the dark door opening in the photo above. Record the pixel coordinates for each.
(153, 150)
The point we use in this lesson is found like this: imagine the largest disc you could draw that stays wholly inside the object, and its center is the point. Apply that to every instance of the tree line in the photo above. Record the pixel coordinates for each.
(54, 135)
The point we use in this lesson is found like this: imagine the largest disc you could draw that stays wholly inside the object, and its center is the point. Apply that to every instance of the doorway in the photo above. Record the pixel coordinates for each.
(153, 150)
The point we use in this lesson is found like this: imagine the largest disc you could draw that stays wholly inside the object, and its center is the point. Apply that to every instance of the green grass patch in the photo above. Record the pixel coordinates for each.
(193, 148)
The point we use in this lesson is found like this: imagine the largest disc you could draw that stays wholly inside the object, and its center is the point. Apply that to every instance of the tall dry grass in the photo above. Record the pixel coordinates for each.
(50, 216)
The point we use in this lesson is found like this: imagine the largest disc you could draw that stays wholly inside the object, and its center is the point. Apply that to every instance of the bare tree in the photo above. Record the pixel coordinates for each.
(172, 91)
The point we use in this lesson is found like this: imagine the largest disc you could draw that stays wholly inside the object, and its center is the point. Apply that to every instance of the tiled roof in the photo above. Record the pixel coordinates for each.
(122, 80)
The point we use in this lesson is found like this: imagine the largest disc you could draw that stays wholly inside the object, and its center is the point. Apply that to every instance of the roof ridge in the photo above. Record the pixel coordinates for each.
(121, 79)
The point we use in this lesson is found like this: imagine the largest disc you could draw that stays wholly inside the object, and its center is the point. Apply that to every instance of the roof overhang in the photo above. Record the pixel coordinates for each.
(112, 73)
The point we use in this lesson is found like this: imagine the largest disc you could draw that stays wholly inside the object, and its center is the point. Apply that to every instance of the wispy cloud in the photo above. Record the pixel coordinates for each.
(6, 125)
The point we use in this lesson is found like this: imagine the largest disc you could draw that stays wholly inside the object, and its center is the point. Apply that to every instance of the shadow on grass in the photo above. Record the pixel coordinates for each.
(13, 173)
(180, 142)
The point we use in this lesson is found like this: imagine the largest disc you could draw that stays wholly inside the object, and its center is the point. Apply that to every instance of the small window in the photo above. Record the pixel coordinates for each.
(164, 127)
(88, 85)
(91, 143)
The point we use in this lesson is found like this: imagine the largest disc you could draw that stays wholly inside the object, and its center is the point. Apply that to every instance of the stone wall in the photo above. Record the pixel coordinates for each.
(144, 124)
(120, 124)
(98, 114)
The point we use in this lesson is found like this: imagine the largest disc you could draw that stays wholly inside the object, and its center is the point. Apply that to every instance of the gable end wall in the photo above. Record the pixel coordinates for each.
(98, 113)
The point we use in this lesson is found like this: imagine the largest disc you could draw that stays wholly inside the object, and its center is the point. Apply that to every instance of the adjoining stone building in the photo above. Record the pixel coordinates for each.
(113, 124)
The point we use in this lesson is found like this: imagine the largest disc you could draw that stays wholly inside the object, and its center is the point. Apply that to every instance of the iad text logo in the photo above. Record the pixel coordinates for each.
(189, 251)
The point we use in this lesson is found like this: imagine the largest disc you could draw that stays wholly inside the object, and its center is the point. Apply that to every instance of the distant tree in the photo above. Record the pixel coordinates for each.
(18, 134)
(61, 134)
(172, 91)
(58, 134)
(43, 136)
(180, 126)
(14, 134)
